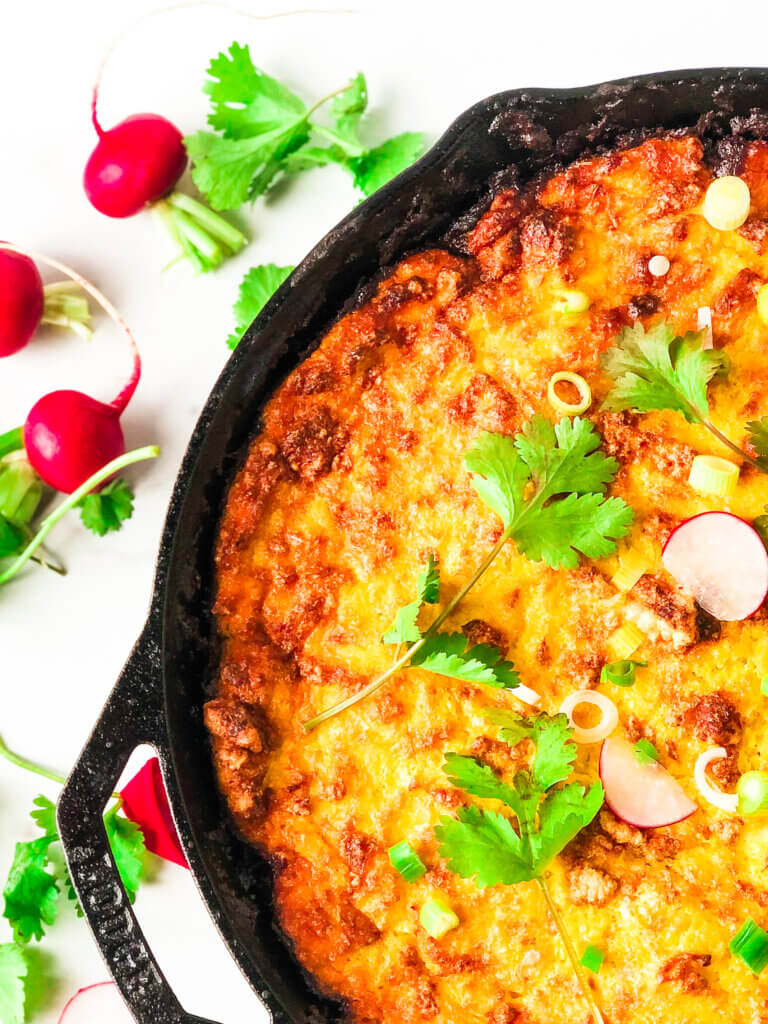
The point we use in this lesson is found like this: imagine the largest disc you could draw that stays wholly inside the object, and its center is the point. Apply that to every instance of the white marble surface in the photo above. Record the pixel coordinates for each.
(63, 641)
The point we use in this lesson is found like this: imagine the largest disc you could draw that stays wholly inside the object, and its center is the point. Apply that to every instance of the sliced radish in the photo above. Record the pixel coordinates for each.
(643, 795)
(721, 560)
(100, 1003)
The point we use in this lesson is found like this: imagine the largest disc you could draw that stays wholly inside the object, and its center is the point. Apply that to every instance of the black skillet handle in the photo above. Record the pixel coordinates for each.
(132, 716)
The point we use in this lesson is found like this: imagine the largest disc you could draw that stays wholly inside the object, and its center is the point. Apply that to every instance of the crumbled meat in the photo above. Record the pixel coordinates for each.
(662, 845)
(478, 631)
(725, 770)
(234, 722)
(663, 611)
(546, 239)
(714, 719)
(737, 293)
(627, 442)
(311, 446)
(642, 305)
(619, 831)
(591, 886)
(686, 970)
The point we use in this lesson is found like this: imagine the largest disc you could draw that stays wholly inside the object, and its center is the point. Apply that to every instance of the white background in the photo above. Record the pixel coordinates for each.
(62, 642)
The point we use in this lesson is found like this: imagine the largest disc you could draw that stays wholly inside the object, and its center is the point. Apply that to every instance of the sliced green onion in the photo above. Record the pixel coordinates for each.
(752, 791)
(621, 673)
(583, 389)
(437, 918)
(404, 859)
(571, 300)
(750, 944)
(592, 958)
(764, 686)
(645, 752)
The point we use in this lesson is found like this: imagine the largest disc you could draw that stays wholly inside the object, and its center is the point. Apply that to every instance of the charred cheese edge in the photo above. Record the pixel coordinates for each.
(358, 476)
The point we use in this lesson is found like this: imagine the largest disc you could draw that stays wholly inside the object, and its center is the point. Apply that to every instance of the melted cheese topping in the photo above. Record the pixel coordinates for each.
(358, 476)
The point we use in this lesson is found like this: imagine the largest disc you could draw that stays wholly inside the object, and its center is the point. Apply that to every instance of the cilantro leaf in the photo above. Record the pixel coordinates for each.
(562, 815)
(584, 523)
(256, 289)
(758, 438)
(405, 629)
(563, 457)
(451, 654)
(265, 131)
(658, 370)
(428, 582)
(30, 892)
(552, 737)
(499, 475)
(230, 171)
(379, 165)
(245, 100)
(347, 109)
(483, 844)
(106, 510)
(478, 779)
(13, 971)
(45, 816)
(127, 842)
(554, 460)
(761, 525)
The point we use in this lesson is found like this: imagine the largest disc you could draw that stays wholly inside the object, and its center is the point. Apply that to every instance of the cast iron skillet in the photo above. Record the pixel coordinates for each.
(158, 699)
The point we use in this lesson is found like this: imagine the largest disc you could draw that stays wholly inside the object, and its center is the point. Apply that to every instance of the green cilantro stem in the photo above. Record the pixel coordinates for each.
(12, 441)
(728, 442)
(570, 950)
(29, 766)
(379, 681)
(61, 510)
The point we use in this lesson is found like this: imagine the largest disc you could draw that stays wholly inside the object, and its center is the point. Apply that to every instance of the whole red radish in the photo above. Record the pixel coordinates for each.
(21, 301)
(135, 163)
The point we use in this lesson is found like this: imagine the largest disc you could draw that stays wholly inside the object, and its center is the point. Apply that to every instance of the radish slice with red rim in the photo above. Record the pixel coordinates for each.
(722, 561)
(101, 1002)
(641, 794)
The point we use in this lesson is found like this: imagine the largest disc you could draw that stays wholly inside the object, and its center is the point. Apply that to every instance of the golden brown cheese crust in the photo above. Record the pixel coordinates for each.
(358, 476)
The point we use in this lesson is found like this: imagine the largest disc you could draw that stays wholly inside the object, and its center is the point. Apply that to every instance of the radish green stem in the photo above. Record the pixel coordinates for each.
(58, 513)
(212, 222)
(410, 651)
(63, 307)
(557, 918)
(12, 441)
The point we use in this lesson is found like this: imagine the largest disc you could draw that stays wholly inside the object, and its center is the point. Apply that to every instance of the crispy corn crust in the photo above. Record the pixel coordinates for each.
(358, 476)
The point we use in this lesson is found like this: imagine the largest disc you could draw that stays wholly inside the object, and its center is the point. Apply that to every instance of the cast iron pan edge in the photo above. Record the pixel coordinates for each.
(506, 138)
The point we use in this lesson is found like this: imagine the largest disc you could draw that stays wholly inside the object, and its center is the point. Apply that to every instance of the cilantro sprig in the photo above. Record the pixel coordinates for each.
(657, 369)
(37, 877)
(486, 844)
(547, 484)
(265, 130)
